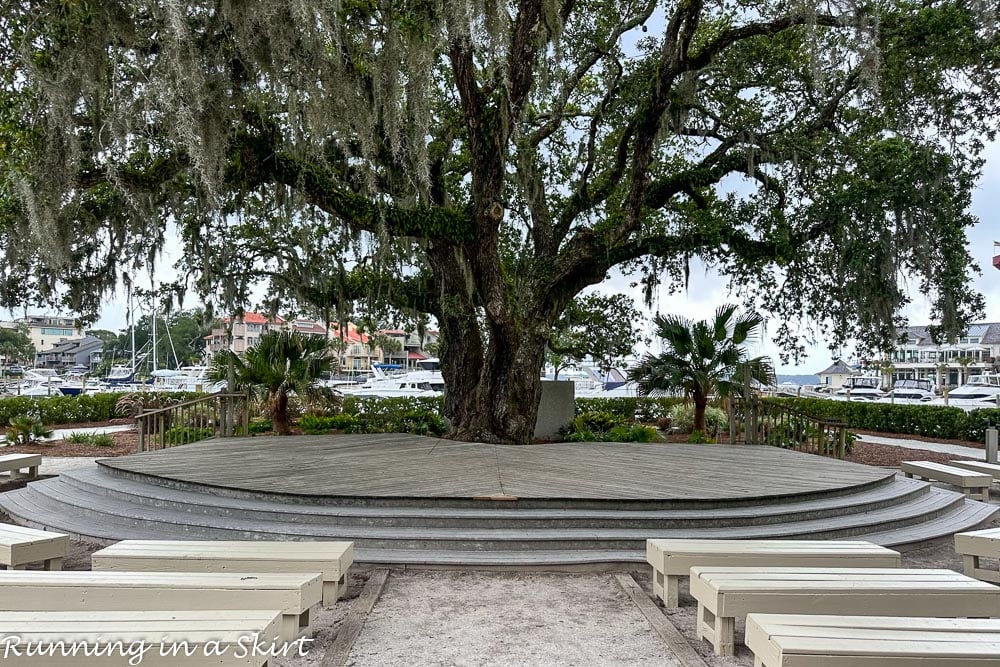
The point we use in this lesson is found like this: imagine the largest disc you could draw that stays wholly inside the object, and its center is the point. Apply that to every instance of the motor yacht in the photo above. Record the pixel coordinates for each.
(861, 388)
(912, 389)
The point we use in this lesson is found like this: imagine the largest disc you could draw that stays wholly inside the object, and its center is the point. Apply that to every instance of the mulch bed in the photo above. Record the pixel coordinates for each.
(126, 442)
(922, 438)
(872, 454)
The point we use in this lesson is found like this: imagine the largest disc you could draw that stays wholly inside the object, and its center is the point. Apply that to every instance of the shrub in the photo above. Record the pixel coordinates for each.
(26, 431)
(583, 428)
(182, 435)
(419, 416)
(935, 421)
(260, 426)
(682, 417)
(699, 437)
(60, 409)
(316, 424)
(646, 408)
(95, 439)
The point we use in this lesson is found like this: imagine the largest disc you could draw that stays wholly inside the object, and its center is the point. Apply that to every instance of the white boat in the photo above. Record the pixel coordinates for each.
(981, 391)
(185, 378)
(911, 389)
(389, 381)
(861, 388)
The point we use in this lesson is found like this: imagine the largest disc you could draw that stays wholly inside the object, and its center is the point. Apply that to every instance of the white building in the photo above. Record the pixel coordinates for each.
(47, 330)
(948, 364)
(834, 376)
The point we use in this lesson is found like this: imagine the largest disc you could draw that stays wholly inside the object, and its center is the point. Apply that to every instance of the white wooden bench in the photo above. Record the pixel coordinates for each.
(157, 629)
(976, 544)
(15, 463)
(331, 559)
(727, 593)
(672, 560)
(20, 546)
(783, 640)
(974, 484)
(295, 594)
(983, 467)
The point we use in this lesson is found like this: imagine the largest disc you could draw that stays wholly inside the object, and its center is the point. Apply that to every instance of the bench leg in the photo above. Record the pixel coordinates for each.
(658, 585)
(54, 564)
(331, 591)
(672, 598)
(720, 631)
(908, 475)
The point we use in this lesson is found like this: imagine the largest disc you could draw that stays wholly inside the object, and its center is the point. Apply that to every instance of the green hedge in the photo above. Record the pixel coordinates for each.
(67, 409)
(647, 408)
(419, 416)
(936, 421)
(60, 409)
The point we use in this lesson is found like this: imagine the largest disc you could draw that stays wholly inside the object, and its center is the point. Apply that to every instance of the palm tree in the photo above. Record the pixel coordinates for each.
(702, 358)
(280, 364)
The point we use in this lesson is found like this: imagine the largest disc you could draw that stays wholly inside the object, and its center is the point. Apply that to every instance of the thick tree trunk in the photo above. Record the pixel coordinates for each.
(503, 407)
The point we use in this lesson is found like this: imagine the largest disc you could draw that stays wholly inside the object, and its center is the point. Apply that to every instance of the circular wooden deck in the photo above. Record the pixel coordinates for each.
(405, 466)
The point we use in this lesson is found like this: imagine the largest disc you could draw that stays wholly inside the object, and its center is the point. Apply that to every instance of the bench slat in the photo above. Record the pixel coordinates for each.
(331, 559)
(673, 559)
(725, 594)
(294, 594)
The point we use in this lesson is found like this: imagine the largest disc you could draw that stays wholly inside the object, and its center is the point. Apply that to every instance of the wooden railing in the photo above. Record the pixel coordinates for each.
(209, 416)
(759, 421)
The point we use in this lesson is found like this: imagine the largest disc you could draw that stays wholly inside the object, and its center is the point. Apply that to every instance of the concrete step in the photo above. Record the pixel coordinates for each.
(897, 491)
(66, 507)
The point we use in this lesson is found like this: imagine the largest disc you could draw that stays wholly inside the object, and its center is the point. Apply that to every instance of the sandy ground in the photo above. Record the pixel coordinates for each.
(475, 618)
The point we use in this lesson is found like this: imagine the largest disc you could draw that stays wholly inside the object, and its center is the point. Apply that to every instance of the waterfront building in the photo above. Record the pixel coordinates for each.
(46, 330)
(947, 365)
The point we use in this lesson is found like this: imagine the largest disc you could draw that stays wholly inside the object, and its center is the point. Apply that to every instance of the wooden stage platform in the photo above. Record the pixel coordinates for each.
(422, 502)
(406, 466)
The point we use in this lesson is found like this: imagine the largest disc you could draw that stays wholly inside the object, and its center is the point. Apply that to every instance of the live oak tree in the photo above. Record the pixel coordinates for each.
(485, 162)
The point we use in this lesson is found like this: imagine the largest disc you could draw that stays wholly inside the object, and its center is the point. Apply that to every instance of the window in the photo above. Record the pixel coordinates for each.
(56, 332)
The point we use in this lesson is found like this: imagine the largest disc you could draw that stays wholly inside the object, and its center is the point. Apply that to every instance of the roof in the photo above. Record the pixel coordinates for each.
(989, 332)
(351, 335)
(308, 327)
(75, 345)
(256, 318)
(415, 355)
(838, 368)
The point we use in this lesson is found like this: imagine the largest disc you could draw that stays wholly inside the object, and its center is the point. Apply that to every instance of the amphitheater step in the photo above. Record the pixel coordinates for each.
(78, 503)
(895, 491)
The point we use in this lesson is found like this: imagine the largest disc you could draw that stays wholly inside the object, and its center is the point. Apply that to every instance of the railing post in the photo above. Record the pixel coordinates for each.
(140, 422)
(842, 445)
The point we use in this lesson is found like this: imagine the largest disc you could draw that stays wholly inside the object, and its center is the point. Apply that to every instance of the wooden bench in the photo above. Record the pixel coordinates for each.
(672, 560)
(232, 629)
(20, 546)
(331, 559)
(14, 463)
(295, 594)
(983, 467)
(727, 593)
(978, 544)
(975, 484)
(780, 640)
